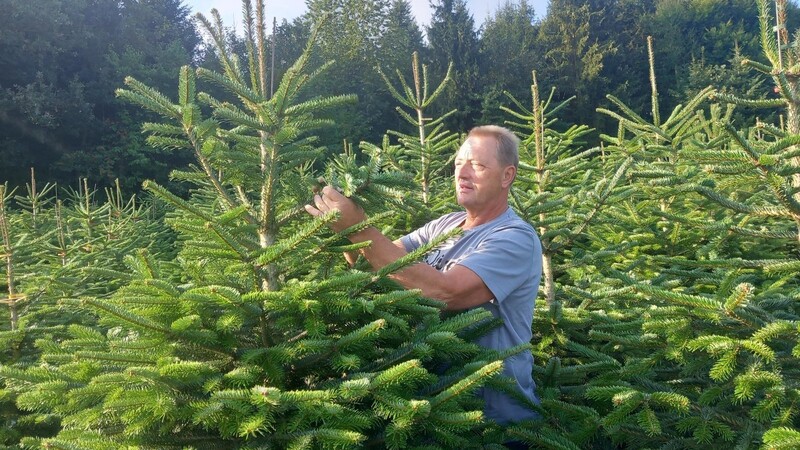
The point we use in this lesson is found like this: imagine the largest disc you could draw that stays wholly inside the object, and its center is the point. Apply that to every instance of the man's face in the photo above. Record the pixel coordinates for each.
(480, 178)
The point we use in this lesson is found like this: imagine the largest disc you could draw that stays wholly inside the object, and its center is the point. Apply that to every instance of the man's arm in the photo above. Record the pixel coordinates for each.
(459, 287)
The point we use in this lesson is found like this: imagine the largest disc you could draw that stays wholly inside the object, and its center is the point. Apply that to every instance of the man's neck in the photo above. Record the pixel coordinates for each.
(475, 219)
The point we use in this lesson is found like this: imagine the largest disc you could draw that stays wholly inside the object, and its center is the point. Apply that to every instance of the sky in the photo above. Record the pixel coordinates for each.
(231, 10)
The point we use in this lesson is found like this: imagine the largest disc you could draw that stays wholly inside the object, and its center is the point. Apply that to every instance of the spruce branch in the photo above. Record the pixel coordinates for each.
(237, 117)
(144, 323)
(679, 298)
(272, 253)
(468, 384)
(414, 256)
(217, 33)
(764, 103)
(173, 199)
(769, 43)
(781, 438)
(149, 98)
(543, 438)
(781, 267)
(683, 114)
(748, 383)
(763, 68)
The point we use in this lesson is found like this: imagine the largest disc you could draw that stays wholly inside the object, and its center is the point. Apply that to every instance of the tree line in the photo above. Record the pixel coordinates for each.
(63, 60)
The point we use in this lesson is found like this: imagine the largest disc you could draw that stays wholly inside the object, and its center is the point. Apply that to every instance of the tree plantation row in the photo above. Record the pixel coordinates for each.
(62, 62)
(221, 315)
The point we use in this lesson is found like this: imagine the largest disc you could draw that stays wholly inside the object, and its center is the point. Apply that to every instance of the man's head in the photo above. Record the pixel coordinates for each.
(507, 143)
(485, 167)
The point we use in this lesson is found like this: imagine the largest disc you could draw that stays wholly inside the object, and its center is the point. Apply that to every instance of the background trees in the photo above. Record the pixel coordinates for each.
(573, 57)
(452, 39)
(509, 47)
(61, 61)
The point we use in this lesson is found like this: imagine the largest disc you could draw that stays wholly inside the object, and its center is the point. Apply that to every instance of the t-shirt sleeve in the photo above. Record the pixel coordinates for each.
(425, 233)
(505, 260)
(416, 238)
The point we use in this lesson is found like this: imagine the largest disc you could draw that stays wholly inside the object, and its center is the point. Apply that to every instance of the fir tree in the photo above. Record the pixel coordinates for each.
(428, 152)
(559, 189)
(256, 335)
(563, 190)
(54, 249)
(703, 333)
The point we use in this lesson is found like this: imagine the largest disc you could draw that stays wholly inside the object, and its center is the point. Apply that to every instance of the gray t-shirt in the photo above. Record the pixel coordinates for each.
(507, 255)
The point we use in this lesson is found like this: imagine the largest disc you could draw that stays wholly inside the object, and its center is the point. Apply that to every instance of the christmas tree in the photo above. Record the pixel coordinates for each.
(256, 335)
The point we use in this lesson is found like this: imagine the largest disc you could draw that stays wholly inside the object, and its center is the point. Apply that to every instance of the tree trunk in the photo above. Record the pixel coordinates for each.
(549, 278)
(6, 235)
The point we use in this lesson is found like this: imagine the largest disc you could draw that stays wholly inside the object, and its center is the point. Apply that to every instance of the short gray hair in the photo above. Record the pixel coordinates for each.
(507, 143)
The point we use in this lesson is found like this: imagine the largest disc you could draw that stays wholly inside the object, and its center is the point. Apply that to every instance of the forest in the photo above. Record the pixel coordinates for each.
(62, 62)
(161, 286)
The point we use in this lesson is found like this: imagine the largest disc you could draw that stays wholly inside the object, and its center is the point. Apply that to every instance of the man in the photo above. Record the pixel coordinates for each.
(496, 263)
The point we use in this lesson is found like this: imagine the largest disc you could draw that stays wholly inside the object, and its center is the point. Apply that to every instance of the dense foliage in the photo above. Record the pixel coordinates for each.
(669, 315)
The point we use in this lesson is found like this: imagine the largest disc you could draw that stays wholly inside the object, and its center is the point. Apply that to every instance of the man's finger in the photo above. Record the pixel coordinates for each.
(332, 193)
(313, 211)
(320, 203)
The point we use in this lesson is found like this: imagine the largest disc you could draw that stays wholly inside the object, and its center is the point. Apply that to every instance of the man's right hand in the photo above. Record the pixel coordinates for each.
(329, 199)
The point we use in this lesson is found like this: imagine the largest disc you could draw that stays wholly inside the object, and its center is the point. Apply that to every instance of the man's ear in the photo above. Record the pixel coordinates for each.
(509, 173)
